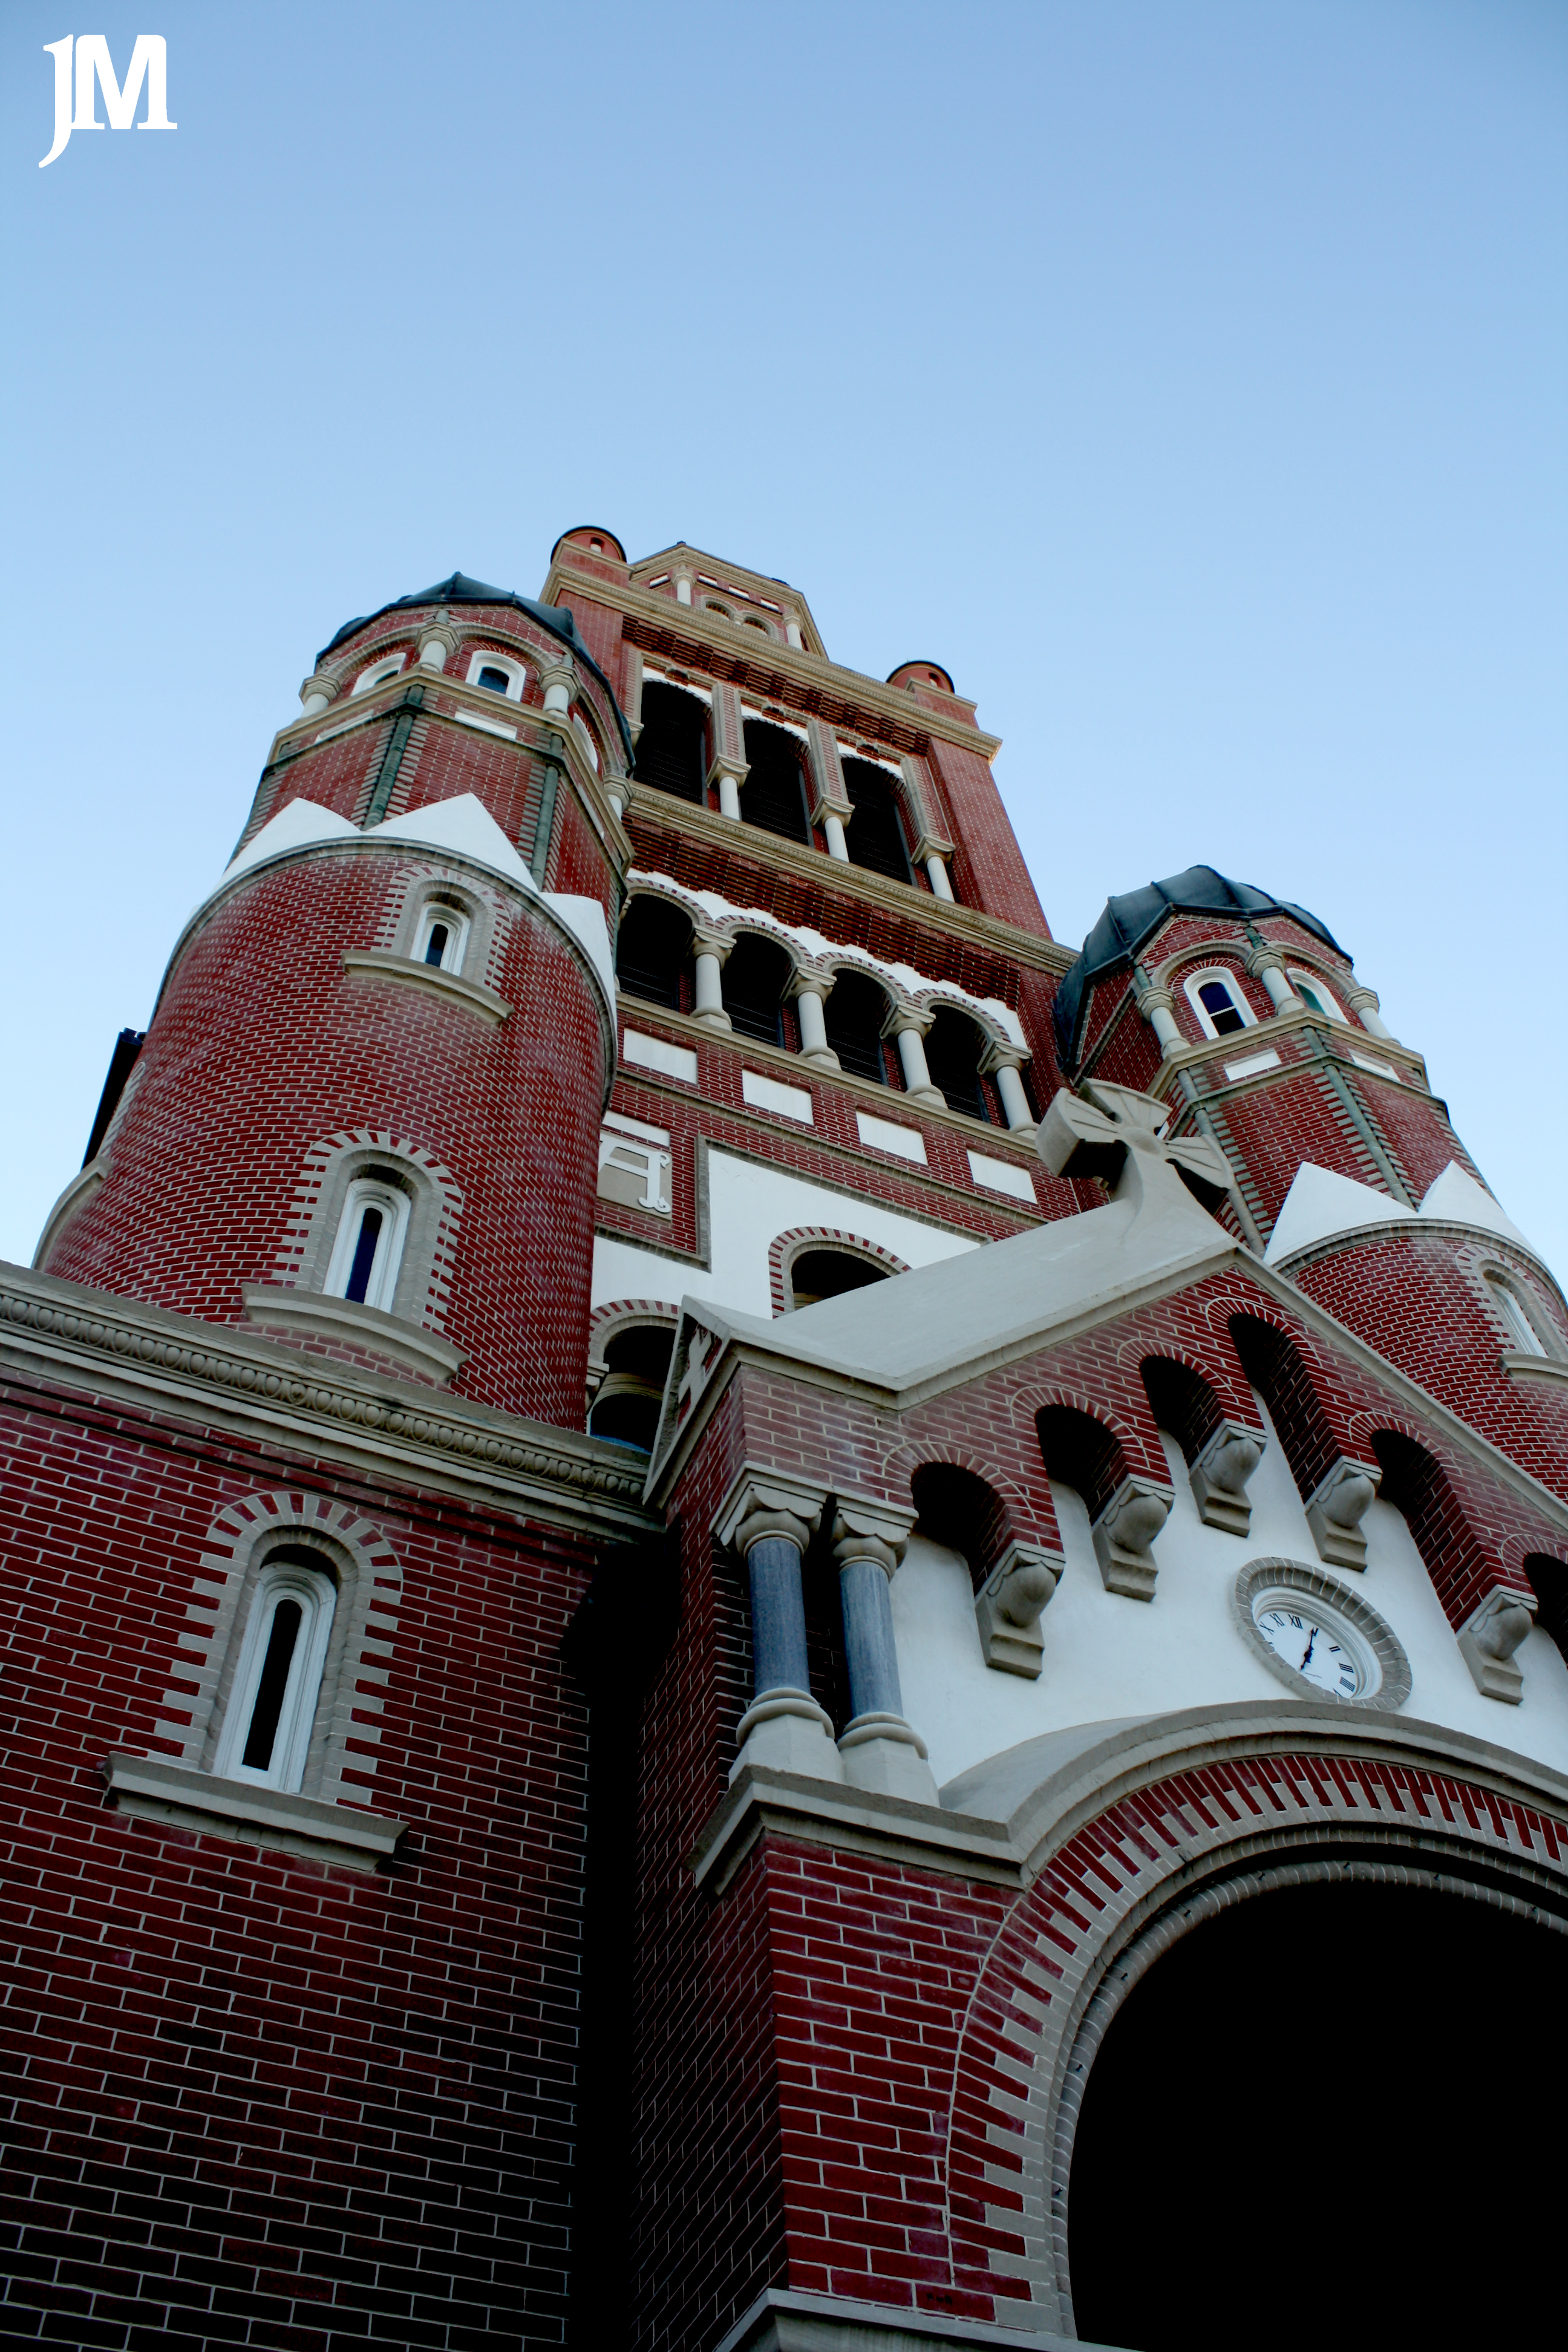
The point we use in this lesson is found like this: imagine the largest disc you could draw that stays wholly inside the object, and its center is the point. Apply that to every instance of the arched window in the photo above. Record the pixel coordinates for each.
(874, 834)
(1315, 994)
(265, 1736)
(589, 740)
(755, 973)
(496, 674)
(637, 1362)
(1513, 1313)
(378, 674)
(368, 1245)
(1217, 998)
(751, 622)
(442, 936)
(819, 1273)
(773, 794)
(953, 1049)
(669, 757)
(651, 950)
(854, 1013)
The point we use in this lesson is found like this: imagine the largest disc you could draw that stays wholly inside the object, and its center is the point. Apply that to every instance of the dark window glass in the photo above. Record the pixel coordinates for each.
(853, 1016)
(435, 948)
(828, 1273)
(274, 1682)
(1220, 1006)
(651, 950)
(364, 1255)
(773, 794)
(954, 1047)
(755, 973)
(670, 748)
(873, 834)
(494, 681)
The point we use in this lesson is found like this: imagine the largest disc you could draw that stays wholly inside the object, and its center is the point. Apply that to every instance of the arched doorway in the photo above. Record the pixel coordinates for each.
(1325, 2115)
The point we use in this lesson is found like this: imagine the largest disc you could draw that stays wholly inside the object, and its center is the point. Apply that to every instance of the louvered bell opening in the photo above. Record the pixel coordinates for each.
(954, 1047)
(670, 747)
(873, 834)
(755, 973)
(626, 1410)
(773, 794)
(853, 1015)
(651, 951)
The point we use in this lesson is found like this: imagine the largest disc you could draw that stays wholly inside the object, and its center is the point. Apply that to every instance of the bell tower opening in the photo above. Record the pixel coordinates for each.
(1310, 2122)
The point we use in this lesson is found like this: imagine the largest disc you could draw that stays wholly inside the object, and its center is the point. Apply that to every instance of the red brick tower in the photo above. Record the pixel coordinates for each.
(648, 1572)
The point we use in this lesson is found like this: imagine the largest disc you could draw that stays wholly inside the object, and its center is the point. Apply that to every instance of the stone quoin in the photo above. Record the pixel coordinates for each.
(703, 1545)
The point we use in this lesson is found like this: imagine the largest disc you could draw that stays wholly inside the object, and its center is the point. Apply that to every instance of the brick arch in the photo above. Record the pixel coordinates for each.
(1179, 1835)
(785, 1248)
(1134, 1442)
(328, 1169)
(1017, 1513)
(605, 1321)
(1312, 1426)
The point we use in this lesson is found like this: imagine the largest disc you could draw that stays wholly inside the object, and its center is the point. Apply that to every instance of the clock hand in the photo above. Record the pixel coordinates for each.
(1307, 1659)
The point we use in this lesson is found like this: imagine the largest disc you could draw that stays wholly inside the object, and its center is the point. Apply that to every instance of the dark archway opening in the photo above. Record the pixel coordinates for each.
(829, 1273)
(874, 836)
(670, 747)
(1310, 2123)
(853, 1016)
(954, 1047)
(755, 973)
(651, 950)
(773, 794)
(637, 1362)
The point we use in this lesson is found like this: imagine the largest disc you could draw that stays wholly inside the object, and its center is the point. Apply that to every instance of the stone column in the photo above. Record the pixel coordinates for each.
(683, 587)
(879, 1748)
(436, 643)
(1159, 1010)
(1265, 964)
(1362, 1002)
(769, 1518)
(1004, 1063)
(936, 875)
(792, 636)
(317, 692)
(615, 794)
(830, 803)
(909, 1027)
(558, 680)
(710, 950)
(810, 991)
(726, 757)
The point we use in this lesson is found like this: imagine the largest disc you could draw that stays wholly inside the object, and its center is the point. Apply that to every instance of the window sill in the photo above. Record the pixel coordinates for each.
(241, 1810)
(369, 1328)
(1534, 1368)
(383, 965)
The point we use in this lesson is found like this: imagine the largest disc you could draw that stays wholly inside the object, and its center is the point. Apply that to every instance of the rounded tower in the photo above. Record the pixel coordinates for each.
(365, 1117)
(1244, 1012)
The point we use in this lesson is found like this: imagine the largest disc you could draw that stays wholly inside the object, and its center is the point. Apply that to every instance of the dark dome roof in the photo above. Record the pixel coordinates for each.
(1134, 918)
(458, 589)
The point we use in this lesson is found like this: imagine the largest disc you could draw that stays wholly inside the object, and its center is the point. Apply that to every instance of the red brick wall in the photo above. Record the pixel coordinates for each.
(257, 2099)
(263, 1045)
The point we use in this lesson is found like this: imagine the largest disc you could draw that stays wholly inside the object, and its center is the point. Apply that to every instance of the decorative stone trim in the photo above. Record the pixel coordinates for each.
(382, 964)
(1219, 1475)
(212, 1373)
(1008, 1606)
(783, 2320)
(270, 1306)
(331, 1166)
(1532, 1368)
(1488, 1638)
(1336, 1508)
(354, 1840)
(77, 1195)
(1123, 1534)
(1312, 1584)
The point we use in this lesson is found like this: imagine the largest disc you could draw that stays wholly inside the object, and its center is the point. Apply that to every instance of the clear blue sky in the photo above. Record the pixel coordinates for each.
(1188, 378)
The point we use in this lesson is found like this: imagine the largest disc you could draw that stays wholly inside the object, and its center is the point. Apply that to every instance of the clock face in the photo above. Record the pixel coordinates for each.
(1308, 1642)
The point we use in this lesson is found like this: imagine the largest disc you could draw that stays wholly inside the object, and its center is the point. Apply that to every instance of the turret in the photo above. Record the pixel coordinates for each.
(364, 1118)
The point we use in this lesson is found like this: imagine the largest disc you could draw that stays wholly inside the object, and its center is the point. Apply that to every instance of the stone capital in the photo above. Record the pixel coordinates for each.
(1264, 957)
(878, 1532)
(706, 940)
(438, 633)
(762, 1503)
(902, 1016)
(1002, 1053)
(803, 981)
(322, 684)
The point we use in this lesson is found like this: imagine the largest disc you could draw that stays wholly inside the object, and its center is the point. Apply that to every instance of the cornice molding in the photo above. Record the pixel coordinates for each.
(746, 664)
(219, 1376)
(922, 910)
(1414, 1228)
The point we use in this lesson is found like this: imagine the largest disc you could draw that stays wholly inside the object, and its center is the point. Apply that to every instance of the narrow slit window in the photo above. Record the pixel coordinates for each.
(369, 1243)
(442, 938)
(272, 1712)
(436, 945)
(282, 1643)
(1516, 1318)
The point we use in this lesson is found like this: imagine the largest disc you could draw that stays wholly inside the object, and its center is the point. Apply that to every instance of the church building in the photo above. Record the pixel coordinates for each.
(743, 1611)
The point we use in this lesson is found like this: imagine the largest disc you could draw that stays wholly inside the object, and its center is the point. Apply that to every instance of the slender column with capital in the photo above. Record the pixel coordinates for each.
(879, 1748)
(908, 1028)
(318, 692)
(936, 875)
(810, 989)
(1363, 1002)
(558, 680)
(769, 1519)
(1267, 964)
(437, 643)
(1004, 1063)
(711, 948)
(1158, 1008)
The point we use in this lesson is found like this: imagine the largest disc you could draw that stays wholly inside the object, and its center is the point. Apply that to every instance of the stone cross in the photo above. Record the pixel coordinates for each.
(1119, 1135)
